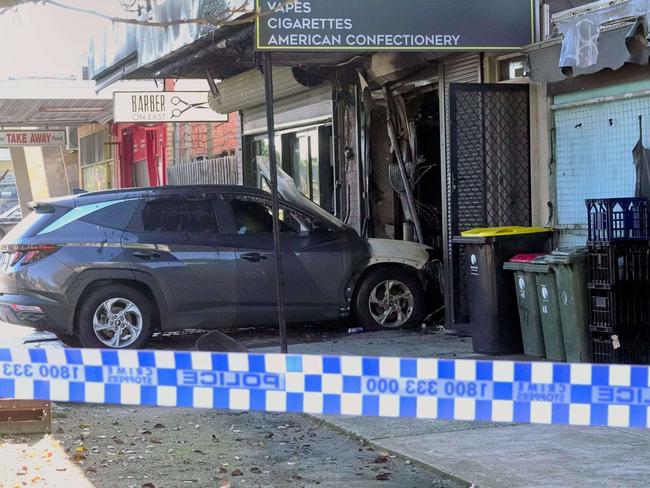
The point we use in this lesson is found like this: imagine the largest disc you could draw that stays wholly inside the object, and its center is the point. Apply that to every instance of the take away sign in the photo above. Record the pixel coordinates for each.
(22, 138)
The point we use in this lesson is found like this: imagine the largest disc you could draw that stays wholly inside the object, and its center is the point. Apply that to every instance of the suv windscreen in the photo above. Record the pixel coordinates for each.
(289, 192)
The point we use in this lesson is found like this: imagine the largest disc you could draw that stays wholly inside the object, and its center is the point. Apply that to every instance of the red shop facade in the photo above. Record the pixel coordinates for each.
(142, 155)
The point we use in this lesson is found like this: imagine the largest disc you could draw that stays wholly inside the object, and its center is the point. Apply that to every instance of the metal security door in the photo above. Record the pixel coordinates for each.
(490, 170)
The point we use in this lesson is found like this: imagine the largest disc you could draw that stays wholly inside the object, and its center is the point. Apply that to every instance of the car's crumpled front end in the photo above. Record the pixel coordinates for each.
(381, 251)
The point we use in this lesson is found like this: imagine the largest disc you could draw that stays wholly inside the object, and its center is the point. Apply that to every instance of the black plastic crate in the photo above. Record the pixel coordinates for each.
(613, 264)
(618, 219)
(619, 309)
(620, 349)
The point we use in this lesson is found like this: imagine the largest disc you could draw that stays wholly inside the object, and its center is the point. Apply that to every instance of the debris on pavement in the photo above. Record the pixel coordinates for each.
(118, 451)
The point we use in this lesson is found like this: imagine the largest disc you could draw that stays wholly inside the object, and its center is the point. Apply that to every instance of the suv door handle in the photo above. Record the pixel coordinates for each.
(253, 257)
(146, 254)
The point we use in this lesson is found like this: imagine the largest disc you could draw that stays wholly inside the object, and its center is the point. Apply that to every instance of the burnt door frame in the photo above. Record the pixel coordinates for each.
(496, 113)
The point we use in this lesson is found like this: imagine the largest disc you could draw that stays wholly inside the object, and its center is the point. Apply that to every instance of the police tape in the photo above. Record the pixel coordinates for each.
(426, 388)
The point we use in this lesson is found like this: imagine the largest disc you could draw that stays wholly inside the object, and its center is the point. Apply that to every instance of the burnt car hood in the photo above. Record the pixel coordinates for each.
(402, 252)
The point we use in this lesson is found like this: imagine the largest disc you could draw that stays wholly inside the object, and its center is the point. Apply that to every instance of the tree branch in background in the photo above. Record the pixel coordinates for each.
(226, 16)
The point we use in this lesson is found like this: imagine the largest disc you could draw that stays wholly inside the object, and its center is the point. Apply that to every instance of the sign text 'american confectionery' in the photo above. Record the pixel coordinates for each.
(368, 25)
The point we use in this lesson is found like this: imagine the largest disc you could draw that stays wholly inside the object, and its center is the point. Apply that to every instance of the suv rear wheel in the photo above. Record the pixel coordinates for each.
(115, 317)
(390, 298)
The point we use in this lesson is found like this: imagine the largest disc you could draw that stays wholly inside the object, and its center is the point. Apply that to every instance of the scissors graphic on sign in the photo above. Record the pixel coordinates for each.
(178, 111)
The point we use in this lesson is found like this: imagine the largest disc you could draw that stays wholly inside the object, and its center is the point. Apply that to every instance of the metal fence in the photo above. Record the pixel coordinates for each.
(217, 171)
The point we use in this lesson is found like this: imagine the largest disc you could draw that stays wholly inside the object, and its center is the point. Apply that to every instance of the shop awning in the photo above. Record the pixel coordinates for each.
(51, 103)
(544, 58)
(127, 51)
(605, 36)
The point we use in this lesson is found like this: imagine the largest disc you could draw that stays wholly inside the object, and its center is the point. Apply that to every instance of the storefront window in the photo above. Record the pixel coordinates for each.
(304, 164)
(96, 159)
(258, 146)
(299, 153)
(97, 176)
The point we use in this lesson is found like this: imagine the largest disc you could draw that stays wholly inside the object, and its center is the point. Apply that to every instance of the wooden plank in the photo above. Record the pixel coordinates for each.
(25, 416)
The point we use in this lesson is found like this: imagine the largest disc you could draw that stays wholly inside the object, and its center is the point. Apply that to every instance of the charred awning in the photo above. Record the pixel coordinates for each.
(144, 51)
(606, 36)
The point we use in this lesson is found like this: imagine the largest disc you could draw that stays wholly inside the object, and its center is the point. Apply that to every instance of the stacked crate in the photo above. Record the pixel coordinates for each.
(619, 280)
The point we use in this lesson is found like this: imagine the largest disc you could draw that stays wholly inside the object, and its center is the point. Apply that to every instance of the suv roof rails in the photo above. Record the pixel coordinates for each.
(162, 189)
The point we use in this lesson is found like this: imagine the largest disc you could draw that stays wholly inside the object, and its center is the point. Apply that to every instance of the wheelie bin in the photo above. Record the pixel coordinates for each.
(570, 267)
(493, 307)
(526, 292)
(549, 308)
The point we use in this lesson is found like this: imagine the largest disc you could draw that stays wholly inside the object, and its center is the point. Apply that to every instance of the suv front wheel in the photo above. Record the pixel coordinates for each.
(390, 298)
(115, 317)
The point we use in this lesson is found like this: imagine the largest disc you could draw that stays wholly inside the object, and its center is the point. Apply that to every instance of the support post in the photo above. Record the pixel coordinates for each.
(273, 164)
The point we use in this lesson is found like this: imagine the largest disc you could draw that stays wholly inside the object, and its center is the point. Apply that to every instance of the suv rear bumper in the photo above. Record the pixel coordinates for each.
(51, 318)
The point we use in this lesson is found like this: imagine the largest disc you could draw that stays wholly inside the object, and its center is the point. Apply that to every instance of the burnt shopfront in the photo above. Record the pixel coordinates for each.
(402, 145)
(460, 126)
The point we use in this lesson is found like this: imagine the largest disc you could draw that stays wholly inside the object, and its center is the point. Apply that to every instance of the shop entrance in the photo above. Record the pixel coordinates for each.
(142, 156)
(428, 183)
(417, 121)
(416, 117)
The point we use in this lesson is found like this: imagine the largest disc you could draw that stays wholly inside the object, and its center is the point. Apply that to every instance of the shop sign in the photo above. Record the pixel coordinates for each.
(151, 107)
(372, 25)
(22, 138)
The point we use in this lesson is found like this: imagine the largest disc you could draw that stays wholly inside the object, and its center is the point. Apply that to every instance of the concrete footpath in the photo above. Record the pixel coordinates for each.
(490, 455)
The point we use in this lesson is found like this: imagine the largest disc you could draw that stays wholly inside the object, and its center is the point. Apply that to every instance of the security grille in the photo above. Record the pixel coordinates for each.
(490, 169)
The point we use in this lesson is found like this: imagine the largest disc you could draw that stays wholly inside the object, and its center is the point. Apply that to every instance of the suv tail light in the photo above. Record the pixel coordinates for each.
(27, 253)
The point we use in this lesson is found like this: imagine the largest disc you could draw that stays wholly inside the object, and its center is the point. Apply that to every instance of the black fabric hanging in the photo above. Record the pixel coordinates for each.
(641, 157)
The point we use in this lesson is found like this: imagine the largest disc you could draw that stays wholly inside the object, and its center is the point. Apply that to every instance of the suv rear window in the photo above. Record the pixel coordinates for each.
(34, 222)
(182, 216)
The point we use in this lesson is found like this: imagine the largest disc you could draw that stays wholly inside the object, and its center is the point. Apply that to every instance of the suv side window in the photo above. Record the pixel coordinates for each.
(253, 215)
(177, 216)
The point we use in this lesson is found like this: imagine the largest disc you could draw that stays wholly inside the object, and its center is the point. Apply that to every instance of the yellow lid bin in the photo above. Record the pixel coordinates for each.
(491, 298)
(504, 231)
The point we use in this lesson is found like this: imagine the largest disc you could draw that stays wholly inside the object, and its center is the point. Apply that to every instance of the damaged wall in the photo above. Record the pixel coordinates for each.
(540, 154)
(348, 156)
(383, 195)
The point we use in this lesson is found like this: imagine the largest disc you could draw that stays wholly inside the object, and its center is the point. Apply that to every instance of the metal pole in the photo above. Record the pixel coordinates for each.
(65, 170)
(270, 131)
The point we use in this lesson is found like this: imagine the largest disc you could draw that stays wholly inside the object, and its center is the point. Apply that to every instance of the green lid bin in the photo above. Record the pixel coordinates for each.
(529, 316)
(570, 266)
(549, 308)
